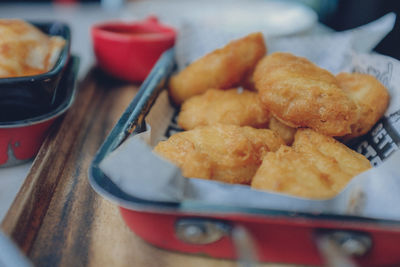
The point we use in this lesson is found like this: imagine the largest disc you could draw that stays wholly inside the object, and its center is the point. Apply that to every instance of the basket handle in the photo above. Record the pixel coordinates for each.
(244, 245)
(337, 247)
(201, 231)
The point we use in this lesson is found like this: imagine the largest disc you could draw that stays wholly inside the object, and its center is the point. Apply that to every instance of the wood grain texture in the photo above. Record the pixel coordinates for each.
(57, 219)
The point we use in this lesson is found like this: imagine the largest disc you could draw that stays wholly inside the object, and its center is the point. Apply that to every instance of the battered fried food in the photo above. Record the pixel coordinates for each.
(25, 50)
(301, 94)
(221, 69)
(348, 160)
(316, 166)
(225, 107)
(286, 132)
(226, 153)
(370, 96)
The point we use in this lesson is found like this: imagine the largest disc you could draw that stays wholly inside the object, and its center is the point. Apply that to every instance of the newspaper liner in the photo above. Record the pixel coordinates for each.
(375, 193)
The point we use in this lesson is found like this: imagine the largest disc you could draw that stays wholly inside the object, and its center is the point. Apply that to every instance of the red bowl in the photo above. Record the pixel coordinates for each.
(20, 140)
(129, 50)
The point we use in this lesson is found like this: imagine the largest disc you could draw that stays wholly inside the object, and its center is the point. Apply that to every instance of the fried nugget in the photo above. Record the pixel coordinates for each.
(286, 132)
(349, 161)
(225, 107)
(316, 166)
(370, 96)
(301, 94)
(226, 153)
(221, 69)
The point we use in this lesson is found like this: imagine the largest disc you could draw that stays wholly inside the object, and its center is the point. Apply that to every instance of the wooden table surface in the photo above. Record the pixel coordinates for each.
(56, 218)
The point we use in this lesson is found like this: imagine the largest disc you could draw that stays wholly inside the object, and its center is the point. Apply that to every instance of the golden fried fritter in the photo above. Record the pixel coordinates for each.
(225, 107)
(25, 50)
(349, 161)
(288, 171)
(370, 96)
(220, 69)
(316, 166)
(286, 132)
(226, 153)
(301, 94)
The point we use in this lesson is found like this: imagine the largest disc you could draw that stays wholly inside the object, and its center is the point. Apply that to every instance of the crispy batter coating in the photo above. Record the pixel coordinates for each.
(370, 96)
(226, 153)
(286, 132)
(25, 50)
(221, 69)
(301, 94)
(225, 107)
(316, 166)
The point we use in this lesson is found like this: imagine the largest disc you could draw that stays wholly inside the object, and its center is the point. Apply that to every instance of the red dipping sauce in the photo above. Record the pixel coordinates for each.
(128, 51)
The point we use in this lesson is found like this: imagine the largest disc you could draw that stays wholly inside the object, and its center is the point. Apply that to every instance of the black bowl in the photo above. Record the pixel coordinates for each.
(30, 96)
(20, 140)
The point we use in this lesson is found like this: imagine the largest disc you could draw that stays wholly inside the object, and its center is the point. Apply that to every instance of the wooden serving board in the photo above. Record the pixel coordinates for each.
(56, 218)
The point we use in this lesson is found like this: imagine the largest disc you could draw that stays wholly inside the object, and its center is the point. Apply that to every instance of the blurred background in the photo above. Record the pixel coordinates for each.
(336, 14)
(346, 14)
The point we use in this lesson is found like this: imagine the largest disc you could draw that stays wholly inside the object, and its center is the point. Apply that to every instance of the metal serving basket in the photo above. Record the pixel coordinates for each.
(251, 234)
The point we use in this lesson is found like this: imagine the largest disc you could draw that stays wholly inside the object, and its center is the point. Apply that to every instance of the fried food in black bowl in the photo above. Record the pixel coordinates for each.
(33, 59)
